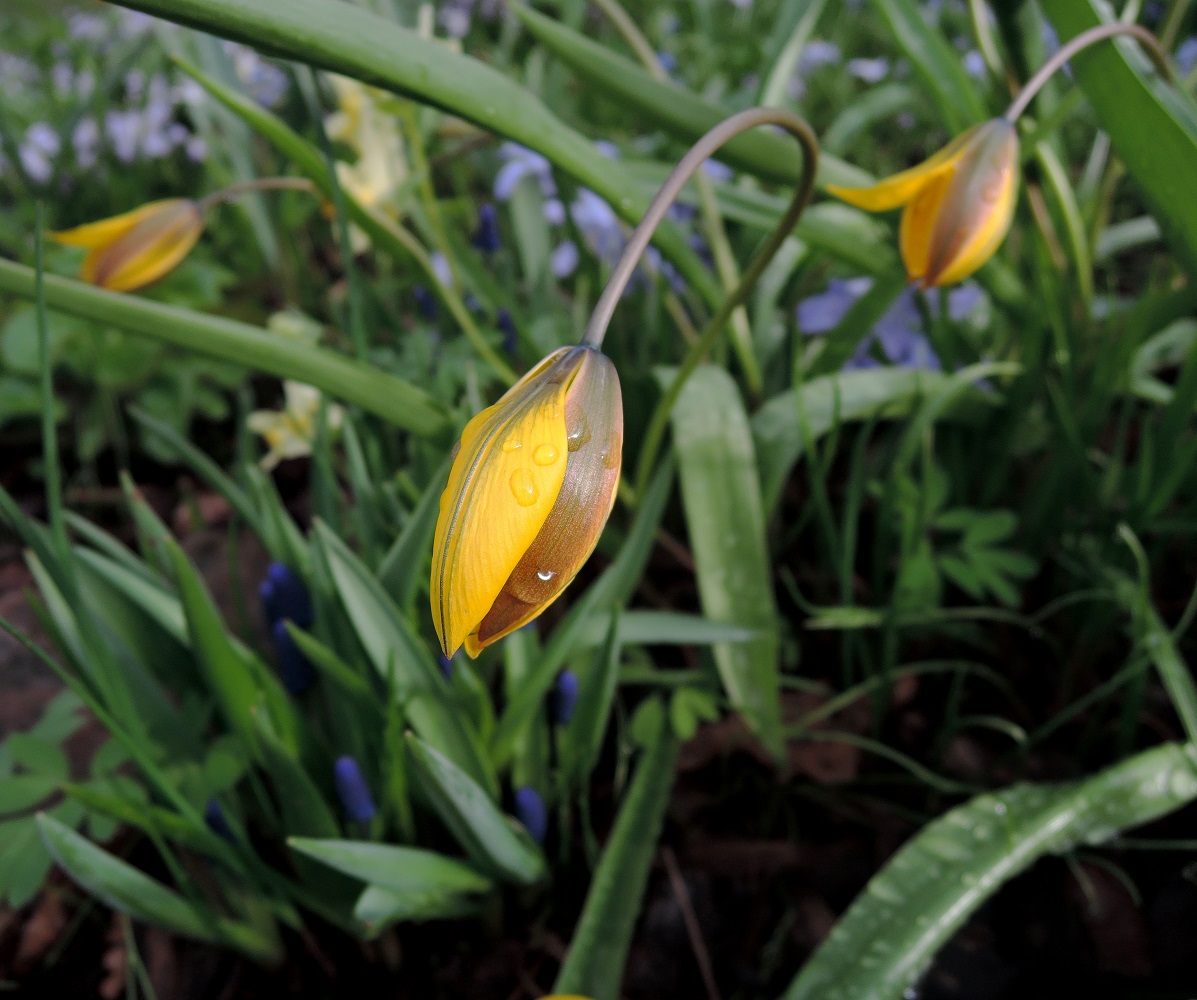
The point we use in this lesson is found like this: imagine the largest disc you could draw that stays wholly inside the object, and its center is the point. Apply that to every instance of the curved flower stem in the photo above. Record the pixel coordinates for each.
(1083, 40)
(725, 262)
(260, 184)
(692, 161)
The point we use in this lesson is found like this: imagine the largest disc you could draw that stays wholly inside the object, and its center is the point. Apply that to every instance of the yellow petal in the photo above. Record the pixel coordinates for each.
(977, 211)
(105, 231)
(153, 246)
(499, 495)
(594, 425)
(917, 228)
(900, 188)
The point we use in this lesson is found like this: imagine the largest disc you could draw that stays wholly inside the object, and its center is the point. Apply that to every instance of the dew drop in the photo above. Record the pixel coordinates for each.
(524, 488)
(511, 445)
(579, 435)
(545, 574)
(544, 454)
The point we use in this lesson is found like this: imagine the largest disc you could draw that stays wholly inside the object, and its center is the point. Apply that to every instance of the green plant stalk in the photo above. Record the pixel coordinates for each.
(725, 261)
(51, 472)
(595, 962)
(230, 340)
(348, 39)
(382, 231)
(415, 142)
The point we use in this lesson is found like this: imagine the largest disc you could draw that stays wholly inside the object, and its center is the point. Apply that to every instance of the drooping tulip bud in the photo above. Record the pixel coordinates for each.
(530, 811)
(133, 249)
(353, 791)
(530, 489)
(958, 204)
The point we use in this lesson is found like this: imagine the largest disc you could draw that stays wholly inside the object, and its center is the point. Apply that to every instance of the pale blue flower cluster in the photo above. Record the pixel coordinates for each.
(898, 334)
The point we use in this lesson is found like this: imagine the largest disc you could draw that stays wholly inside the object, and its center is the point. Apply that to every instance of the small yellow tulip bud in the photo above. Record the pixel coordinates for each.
(137, 247)
(531, 487)
(958, 204)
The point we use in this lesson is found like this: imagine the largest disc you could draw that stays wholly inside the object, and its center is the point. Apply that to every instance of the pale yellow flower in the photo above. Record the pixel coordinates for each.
(290, 432)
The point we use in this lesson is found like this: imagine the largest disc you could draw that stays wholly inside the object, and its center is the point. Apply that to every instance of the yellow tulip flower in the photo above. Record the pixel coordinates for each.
(531, 487)
(958, 204)
(137, 247)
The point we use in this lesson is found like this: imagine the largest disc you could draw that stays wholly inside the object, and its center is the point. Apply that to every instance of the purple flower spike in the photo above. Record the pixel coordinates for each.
(565, 697)
(486, 236)
(353, 791)
(530, 810)
(506, 326)
(285, 596)
(294, 669)
(214, 817)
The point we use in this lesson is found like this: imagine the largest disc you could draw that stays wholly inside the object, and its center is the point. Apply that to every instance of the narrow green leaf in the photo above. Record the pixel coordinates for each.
(683, 113)
(402, 659)
(582, 740)
(937, 64)
(1152, 126)
(595, 963)
(939, 878)
(407, 560)
(230, 340)
(489, 837)
(722, 499)
(349, 39)
(403, 870)
(662, 628)
(377, 907)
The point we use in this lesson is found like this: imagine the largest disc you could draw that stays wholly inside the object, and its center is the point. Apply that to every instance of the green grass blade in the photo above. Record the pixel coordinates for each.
(492, 840)
(230, 340)
(351, 40)
(721, 494)
(407, 560)
(676, 109)
(400, 869)
(594, 965)
(937, 64)
(1153, 127)
(930, 887)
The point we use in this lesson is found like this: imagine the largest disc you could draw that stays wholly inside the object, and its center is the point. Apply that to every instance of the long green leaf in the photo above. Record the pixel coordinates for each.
(683, 113)
(721, 494)
(931, 886)
(1153, 127)
(400, 869)
(349, 39)
(230, 340)
(488, 836)
(594, 965)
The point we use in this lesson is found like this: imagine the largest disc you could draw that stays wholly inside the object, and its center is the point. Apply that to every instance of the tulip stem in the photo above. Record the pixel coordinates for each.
(260, 184)
(691, 162)
(1086, 38)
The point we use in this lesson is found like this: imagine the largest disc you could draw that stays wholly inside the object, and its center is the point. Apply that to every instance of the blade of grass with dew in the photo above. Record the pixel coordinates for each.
(722, 500)
(935, 62)
(489, 837)
(355, 42)
(402, 659)
(611, 589)
(681, 112)
(1152, 126)
(594, 964)
(942, 875)
(231, 340)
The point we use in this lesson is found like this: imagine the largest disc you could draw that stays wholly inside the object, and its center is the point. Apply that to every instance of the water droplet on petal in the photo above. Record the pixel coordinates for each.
(579, 435)
(545, 574)
(511, 445)
(545, 454)
(524, 488)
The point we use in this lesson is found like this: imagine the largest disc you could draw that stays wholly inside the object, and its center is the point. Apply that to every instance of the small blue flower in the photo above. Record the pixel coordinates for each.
(869, 70)
(563, 261)
(668, 62)
(294, 669)
(974, 65)
(565, 697)
(446, 665)
(599, 225)
(823, 312)
(426, 302)
(284, 596)
(486, 236)
(718, 171)
(816, 53)
(1186, 56)
(214, 817)
(530, 810)
(554, 212)
(353, 791)
(522, 162)
(506, 327)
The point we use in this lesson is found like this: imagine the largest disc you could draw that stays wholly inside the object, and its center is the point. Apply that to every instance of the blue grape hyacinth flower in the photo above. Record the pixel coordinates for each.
(531, 812)
(565, 697)
(285, 596)
(353, 791)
